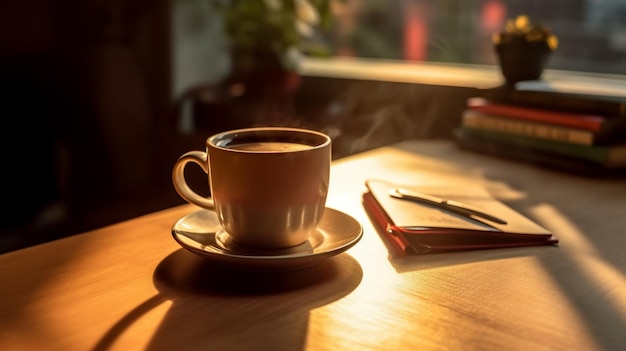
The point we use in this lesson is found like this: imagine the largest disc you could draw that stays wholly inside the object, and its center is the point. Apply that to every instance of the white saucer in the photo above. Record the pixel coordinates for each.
(201, 233)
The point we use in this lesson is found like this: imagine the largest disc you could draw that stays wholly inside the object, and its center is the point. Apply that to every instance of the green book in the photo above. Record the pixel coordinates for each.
(613, 156)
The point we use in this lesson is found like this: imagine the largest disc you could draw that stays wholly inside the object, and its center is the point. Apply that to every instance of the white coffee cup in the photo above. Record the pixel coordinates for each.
(268, 184)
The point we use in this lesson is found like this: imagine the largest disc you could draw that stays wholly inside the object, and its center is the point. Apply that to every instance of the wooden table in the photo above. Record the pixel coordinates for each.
(129, 286)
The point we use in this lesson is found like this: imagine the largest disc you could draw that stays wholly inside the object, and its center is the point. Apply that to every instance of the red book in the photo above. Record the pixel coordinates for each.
(417, 228)
(595, 123)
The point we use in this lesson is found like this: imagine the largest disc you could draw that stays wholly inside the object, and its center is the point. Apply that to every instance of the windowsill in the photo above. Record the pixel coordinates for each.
(377, 102)
(467, 76)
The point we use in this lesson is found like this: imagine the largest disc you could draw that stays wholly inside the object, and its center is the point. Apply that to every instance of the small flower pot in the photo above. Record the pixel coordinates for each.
(521, 61)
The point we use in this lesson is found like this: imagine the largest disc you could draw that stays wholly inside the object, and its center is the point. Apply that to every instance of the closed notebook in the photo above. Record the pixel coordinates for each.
(417, 228)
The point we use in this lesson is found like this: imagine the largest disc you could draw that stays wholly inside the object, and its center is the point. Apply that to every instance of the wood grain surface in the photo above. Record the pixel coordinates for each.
(129, 286)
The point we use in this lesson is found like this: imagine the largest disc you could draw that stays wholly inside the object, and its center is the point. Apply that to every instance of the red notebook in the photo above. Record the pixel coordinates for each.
(417, 228)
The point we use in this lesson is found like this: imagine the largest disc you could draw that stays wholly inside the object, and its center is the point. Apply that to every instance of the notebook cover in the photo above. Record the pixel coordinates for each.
(416, 228)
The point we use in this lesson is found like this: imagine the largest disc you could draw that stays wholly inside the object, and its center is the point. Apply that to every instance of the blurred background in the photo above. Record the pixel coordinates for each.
(98, 98)
(592, 33)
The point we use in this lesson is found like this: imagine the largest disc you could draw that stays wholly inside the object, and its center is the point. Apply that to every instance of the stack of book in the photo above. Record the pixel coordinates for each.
(571, 130)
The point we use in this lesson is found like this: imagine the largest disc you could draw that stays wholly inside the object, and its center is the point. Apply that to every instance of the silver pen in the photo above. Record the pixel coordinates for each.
(450, 205)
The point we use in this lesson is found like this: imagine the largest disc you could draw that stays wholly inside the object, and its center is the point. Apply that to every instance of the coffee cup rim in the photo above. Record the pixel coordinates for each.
(220, 140)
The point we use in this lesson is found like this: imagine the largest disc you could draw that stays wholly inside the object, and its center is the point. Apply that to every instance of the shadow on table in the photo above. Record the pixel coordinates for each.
(585, 213)
(455, 258)
(221, 308)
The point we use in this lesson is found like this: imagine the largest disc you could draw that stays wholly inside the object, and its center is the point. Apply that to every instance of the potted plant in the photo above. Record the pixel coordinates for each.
(268, 39)
(523, 49)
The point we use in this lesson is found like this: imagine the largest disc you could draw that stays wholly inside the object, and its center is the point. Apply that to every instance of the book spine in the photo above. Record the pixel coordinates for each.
(590, 122)
(596, 154)
(383, 225)
(528, 155)
(478, 120)
(569, 102)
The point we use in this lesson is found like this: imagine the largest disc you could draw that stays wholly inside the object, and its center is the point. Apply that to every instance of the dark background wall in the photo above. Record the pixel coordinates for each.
(90, 124)
(84, 90)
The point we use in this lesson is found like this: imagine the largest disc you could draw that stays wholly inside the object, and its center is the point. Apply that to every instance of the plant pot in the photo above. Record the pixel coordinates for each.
(521, 61)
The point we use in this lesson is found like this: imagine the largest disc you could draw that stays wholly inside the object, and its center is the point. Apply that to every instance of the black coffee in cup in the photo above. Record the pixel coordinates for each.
(270, 146)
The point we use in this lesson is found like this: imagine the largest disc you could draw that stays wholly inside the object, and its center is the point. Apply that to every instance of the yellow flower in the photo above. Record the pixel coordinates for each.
(553, 41)
(521, 28)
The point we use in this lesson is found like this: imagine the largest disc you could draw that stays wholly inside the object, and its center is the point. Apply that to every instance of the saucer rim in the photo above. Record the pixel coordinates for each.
(292, 260)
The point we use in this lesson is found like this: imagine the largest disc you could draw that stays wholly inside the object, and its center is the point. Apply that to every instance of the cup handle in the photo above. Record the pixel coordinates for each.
(180, 184)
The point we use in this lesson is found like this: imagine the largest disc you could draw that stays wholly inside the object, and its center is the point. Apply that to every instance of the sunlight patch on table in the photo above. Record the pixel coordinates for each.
(606, 278)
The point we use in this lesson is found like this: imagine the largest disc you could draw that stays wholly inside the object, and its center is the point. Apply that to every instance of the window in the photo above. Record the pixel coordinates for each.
(592, 33)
